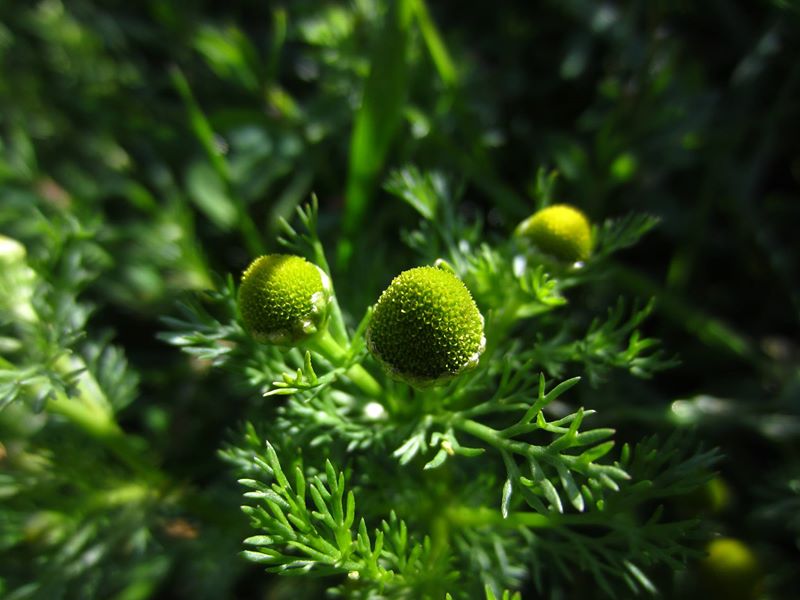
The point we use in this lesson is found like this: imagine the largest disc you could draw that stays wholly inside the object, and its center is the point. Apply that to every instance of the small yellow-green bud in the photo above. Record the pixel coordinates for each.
(731, 570)
(712, 498)
(283, 299)
(11, 251)
(561, 231)
(426, 328)
(17, 281)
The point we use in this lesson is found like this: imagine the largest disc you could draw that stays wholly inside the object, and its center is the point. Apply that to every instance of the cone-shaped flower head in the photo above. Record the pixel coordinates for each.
(426, 328)
(283, 299)
(561, 231)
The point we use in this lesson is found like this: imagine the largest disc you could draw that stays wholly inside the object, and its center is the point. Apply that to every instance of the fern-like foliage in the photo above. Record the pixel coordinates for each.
(309, 526)
(494, 481)
(66, 528)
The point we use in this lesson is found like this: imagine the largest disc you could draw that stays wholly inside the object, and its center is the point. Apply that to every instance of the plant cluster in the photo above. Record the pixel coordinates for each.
(439, 380)
(400, 478)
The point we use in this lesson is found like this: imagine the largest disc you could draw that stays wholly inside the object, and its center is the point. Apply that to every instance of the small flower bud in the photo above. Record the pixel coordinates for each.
(561, 231)
(731, 570)
(283, 299)
(11, 251)
(17, 281)
(426, 328)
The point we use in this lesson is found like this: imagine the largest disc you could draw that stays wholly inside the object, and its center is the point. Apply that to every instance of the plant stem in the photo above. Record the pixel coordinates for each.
(99, 424)
(91, 411)
(464, 516)
(483, 516)
(709, 330)
(324, 344)
(123, 495)
(492, 436)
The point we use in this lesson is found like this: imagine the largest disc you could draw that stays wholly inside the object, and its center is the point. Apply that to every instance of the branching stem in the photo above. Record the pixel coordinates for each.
(494, 438)
(325, 345)
(90, 411)
(101, 426)
(483, 516)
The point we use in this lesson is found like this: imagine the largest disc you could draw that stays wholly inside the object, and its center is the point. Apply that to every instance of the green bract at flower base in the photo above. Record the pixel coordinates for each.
(283, 299)
(426, 328)
(560, 230)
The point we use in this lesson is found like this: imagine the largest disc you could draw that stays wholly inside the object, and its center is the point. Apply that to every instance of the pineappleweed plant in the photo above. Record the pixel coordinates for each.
(434, 447)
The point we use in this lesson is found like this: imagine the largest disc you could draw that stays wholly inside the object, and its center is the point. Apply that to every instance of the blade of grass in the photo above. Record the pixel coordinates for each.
(708, 329)
(279, 28)
(202, 129)
(433, 40)
(200, 125)
(377, 120)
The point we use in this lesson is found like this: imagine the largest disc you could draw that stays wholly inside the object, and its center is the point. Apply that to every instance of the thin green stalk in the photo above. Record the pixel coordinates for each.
(336, 322)
(122, 495)
(279, 28)
(91, 411)
(464, 516)
(324, 344)
(202, 129)
(100, 425)
(711, 331)
(377, 120)
(483, 516)
(436, 46)
(491, 436)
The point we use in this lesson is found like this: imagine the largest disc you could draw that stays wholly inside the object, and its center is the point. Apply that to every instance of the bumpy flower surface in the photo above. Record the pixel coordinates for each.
(561, 231)
(426, 327)
(283, 298)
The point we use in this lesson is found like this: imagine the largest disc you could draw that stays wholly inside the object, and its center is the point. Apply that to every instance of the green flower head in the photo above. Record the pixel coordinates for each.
(283, 299)
(561, 231)
(731, 570)
(426, 328)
